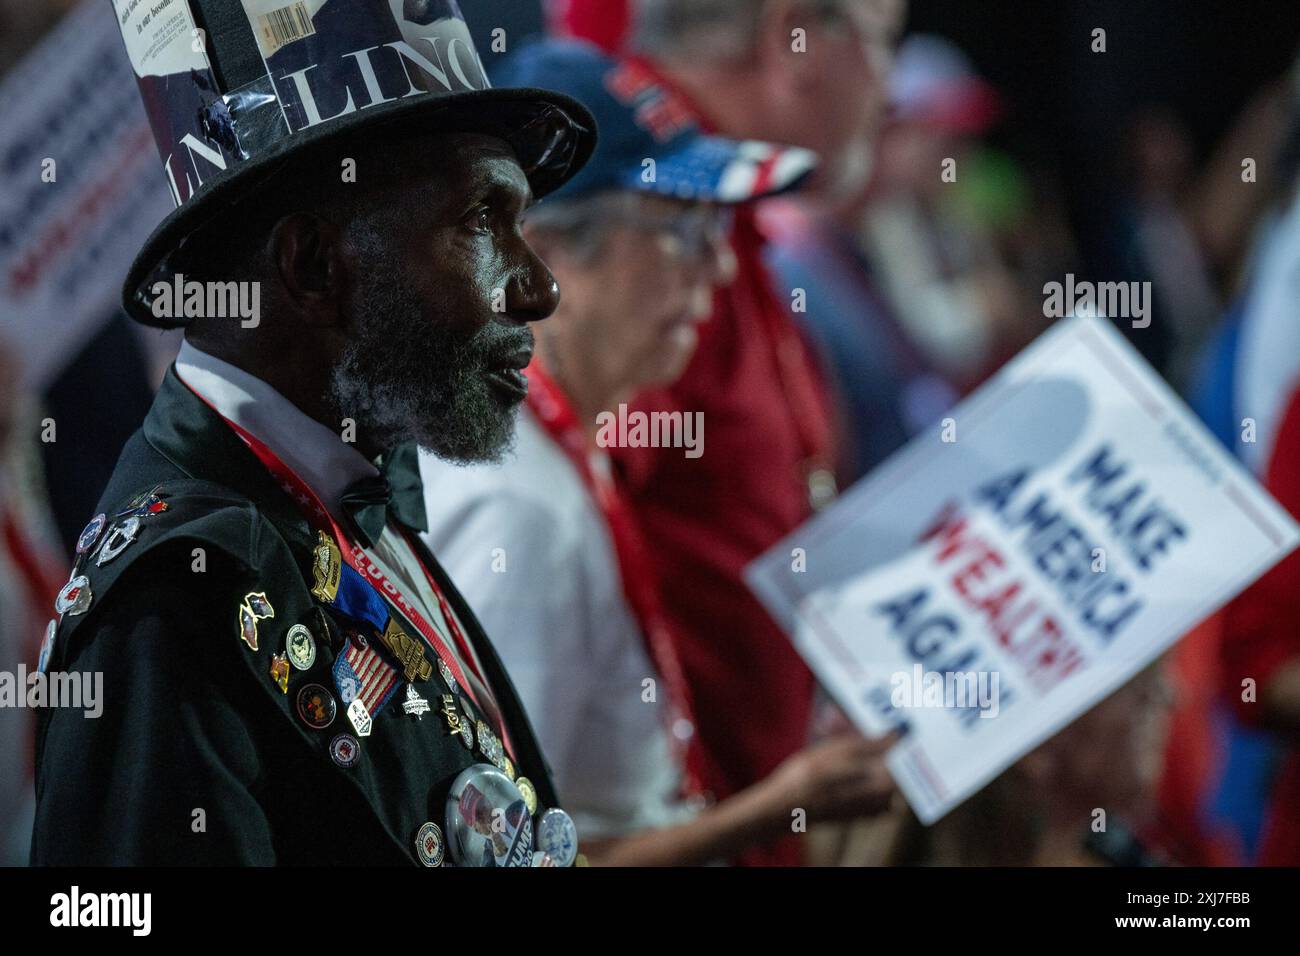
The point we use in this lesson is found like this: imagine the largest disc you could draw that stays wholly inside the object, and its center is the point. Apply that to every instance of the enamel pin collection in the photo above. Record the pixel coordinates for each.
(102, 540)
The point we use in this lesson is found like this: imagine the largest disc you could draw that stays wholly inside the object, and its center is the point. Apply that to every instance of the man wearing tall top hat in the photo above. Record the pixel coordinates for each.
(288, 676)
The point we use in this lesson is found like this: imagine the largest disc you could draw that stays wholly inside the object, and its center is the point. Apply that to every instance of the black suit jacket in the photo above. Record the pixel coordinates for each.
(198, 757)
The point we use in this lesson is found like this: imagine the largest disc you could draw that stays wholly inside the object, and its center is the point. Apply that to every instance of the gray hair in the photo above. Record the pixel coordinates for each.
(679, 29)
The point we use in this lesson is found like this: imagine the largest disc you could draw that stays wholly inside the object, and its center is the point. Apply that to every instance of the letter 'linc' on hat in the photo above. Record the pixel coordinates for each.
(234, 89)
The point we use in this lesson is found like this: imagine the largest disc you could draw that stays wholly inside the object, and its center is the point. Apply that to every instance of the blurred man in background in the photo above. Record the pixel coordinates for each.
(1228, 780)
(1261, 640)
(1261, 660)
(895, 337)
(574, 605)
(940, 270)
(809, 74)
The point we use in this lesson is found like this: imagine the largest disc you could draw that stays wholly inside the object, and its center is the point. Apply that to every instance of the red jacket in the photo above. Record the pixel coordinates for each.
(1261, 633)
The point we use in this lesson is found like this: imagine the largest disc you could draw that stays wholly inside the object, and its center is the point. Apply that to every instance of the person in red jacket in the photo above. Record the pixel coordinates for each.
(811, 74)
(602, 22)
(1261, 654)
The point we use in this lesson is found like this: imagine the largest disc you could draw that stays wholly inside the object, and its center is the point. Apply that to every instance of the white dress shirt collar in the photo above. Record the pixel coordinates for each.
(327, 464)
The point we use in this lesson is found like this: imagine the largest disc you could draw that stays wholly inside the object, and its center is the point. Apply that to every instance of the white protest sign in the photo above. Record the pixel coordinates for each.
(996, 579)
(81, 189)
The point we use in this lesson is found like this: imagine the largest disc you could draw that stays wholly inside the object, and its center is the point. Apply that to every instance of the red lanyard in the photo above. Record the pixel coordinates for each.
(463, 643)
(558, 418)
(319, 517)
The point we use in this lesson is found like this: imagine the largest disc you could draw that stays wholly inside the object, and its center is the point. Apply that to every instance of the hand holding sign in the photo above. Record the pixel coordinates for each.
(841, 778)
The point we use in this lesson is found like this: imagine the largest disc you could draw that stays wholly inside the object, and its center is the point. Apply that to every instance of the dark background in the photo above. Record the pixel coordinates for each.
(1201, 59)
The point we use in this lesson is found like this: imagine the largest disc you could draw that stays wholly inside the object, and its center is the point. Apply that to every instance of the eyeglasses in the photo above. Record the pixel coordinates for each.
(694, 232)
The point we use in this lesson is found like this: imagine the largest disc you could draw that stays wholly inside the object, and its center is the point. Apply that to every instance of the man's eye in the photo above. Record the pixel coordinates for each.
(481, 219)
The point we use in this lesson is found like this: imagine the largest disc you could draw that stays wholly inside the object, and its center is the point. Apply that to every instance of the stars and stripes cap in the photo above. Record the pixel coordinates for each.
(650, 139)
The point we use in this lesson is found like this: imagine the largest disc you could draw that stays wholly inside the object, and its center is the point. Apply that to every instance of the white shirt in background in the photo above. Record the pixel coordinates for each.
(528, 548)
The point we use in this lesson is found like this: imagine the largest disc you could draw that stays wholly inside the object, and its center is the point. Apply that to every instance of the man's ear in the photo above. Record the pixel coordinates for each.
(306, 254)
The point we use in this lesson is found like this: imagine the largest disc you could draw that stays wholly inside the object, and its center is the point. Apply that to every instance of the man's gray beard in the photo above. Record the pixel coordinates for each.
(404, 377)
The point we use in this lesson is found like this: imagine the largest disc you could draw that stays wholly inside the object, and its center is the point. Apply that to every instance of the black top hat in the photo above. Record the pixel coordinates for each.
(235, 89)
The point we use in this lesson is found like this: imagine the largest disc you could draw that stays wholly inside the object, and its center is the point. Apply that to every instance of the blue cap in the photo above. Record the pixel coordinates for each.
(639, 119)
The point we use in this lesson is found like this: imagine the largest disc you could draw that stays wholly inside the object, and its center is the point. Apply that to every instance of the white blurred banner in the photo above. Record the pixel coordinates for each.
(65, 244)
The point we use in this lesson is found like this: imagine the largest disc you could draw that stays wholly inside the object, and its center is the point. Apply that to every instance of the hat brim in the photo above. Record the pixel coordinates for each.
(505, 113)
(726, 171)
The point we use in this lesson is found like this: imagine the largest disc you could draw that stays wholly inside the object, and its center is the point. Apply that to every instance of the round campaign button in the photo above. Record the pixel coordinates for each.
(557, 837)
(316, 706)
(47, 647)
(300, 647)
(345, 751)
(429, 845)
(90, 534)
(487, 820)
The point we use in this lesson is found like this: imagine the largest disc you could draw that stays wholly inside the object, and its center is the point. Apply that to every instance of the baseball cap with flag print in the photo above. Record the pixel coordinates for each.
(650, 140)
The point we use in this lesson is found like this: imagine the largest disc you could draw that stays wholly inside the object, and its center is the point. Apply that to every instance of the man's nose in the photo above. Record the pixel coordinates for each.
(533, 294)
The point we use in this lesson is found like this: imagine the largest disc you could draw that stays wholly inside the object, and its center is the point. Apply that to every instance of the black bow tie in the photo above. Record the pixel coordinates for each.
(397, 489)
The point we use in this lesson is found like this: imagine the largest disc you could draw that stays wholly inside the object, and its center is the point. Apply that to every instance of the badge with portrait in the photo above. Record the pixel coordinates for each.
(488, 823)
